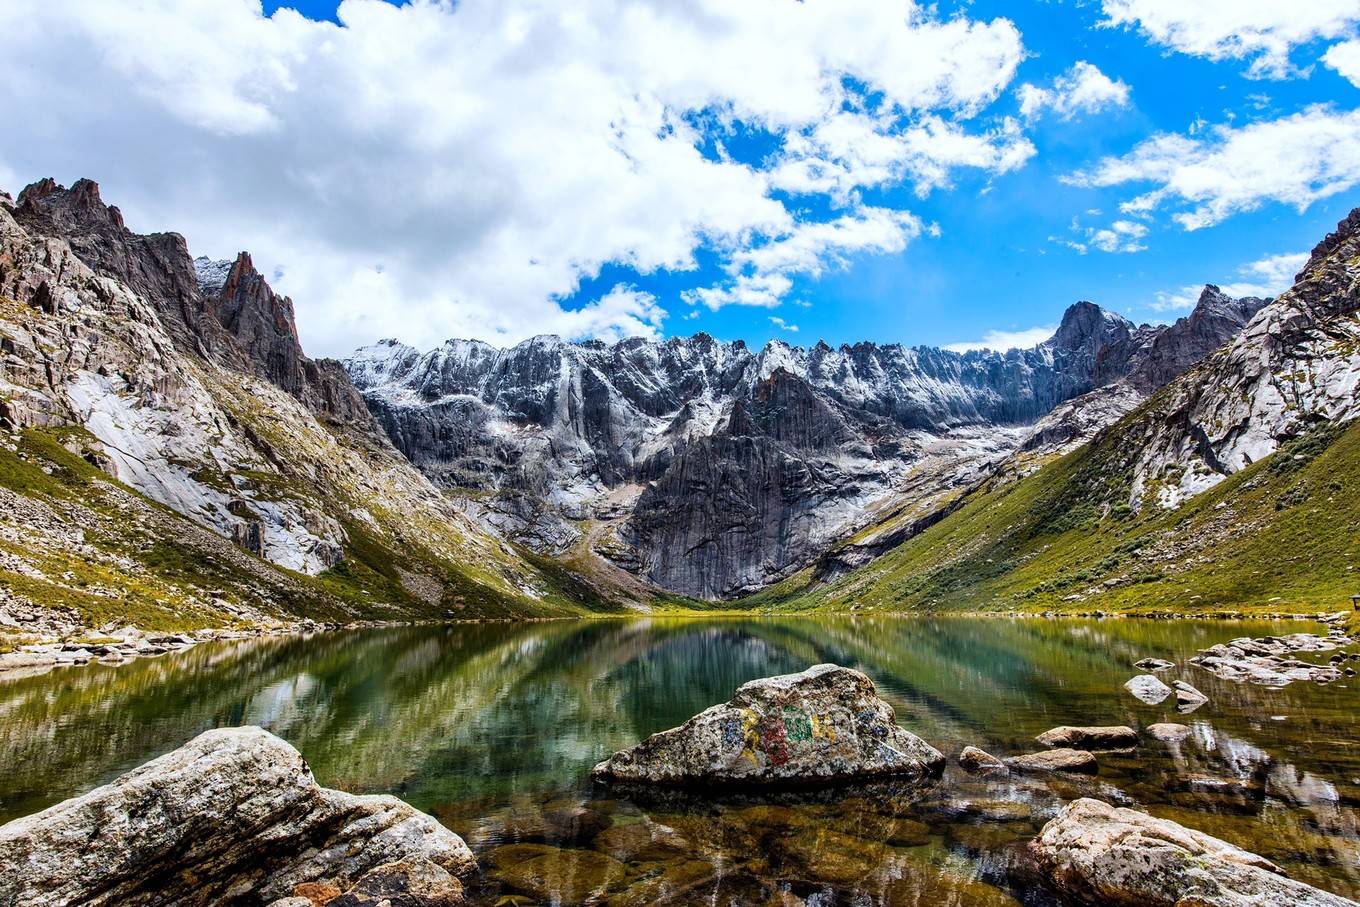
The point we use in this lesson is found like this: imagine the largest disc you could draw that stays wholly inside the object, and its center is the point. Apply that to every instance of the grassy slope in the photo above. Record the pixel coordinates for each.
(177, 568)
(1280, 535)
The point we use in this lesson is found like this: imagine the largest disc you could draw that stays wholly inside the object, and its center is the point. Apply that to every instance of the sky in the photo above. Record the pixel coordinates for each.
(954, 174)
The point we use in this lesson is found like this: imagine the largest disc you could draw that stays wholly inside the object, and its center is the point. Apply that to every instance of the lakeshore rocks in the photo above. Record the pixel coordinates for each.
(1058, 760)
(234, 814)
(1100, 854)
(1168, 732)
(1090, 738)
(824, 725)
(975, 760)
(1148, 689)
(1187, 697)
(1266, 661)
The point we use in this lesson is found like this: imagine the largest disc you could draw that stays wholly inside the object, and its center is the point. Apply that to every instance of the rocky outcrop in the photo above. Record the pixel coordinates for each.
(734, 468)
(821, 726)
(1296, 363)
(1267, 661)
(233, 816)
(1090, 738)
(1101, 854)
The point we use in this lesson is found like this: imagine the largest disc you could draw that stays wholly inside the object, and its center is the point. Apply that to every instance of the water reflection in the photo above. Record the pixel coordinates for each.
(494, 729)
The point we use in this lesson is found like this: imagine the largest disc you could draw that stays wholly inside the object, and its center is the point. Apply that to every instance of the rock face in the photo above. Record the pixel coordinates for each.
(233, 816)
(723, 469)
(1297, 362)
(1090, 738)
(1100, 854)
(821, 726)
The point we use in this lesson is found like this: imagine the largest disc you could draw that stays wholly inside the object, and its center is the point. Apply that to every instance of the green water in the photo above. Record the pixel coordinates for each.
(494, 728)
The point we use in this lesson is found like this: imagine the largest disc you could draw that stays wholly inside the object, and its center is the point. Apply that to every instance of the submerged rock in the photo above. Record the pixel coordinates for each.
(1168, 732)
(1090, 738)
(1147, 688)
(234, 813)
(1059, 760)
(824, 725)
(1101, 854)
(973, 759)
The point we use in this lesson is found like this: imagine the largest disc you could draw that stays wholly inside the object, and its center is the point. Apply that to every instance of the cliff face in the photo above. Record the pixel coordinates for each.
(202, 401)
(720, 469)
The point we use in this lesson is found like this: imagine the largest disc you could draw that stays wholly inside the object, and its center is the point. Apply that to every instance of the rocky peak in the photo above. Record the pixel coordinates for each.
(211, 274)
(1347, 231)
(1086, 327)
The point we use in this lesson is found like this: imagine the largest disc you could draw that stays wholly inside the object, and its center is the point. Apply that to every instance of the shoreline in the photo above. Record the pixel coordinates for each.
(38, 655)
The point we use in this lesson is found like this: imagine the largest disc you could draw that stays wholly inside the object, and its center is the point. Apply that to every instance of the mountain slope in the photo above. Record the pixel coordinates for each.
(1231, 487)
(716, 470)
(208, 422)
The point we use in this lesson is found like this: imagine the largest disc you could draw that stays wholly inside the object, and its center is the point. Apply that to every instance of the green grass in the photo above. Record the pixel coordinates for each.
(1278, 536)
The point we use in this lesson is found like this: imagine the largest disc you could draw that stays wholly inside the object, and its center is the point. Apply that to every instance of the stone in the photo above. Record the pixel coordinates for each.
(975, 760)
(1266, 661)
(1154, 664)
(1168, 731)
(1187, 697)
(1148, 689)
(643, 840)
(234, 808)
(826, 724)
(406, 883)
(291, 902)
(1101, 854)
(1059, 760)
(1090, 738)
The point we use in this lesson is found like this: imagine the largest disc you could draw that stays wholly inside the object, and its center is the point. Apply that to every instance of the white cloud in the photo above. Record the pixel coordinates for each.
(456, 169)
(1006, 340)
(1266, 277)
(1082, 89)
(783, 325)
(1345, 59)
(1262, 31)
(762, 275)
(1121, 236)
(1295, 160)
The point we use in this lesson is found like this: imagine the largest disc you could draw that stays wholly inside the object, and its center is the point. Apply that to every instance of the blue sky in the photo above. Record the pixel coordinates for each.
(982, 248)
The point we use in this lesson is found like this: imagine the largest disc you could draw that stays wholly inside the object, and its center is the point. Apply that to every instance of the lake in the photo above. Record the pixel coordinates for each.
(494, 728)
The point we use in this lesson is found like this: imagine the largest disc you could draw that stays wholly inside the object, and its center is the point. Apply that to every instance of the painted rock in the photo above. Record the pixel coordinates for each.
(824, 725)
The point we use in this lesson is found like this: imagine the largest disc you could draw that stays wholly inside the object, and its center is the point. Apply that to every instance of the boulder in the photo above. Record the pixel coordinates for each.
(406, 883)
(233, 811)
(1168, 732)
(1187, 697)
(1090, 738)
(1059, 760)
(1154, 664)
(1147, 688)
(824, 725)
(973, 759)
(1101, 854)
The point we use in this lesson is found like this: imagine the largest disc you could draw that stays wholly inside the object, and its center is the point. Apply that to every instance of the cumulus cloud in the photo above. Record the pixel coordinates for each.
(1265, 277)
(1295, 160)
(783, 325)
(1345, 59)
(1006, 340)
(1082, 89)
(762, 275)
(457, 169)
(1260, 31)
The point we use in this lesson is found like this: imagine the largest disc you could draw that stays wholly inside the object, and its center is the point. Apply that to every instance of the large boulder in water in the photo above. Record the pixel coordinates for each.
(824, 725)
(1101, 854)
(233, 816)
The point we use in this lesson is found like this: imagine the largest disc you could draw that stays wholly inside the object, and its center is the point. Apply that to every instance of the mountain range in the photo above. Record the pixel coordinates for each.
(172, 457)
